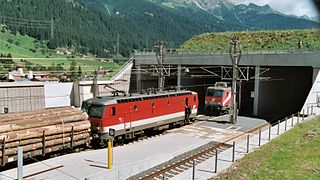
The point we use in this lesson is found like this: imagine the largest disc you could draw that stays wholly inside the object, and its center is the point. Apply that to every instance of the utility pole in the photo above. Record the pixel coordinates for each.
(160, 56)
(52, 35)
(235, 55)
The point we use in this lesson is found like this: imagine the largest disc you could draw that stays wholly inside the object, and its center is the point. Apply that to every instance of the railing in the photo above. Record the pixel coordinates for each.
(246, 51)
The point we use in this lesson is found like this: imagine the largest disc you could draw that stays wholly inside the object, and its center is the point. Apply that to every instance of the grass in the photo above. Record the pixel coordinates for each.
(27, 48)
(293, 155)
(254, 41)
(87, 65)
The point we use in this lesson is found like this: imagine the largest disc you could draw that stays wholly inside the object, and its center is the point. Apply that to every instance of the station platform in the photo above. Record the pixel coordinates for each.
(139, 156)
(243, 124)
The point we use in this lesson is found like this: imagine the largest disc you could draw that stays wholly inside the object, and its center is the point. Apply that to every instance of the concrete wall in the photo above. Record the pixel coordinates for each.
(285, 93)
(312, 103)
(58, 94)
(292, 59)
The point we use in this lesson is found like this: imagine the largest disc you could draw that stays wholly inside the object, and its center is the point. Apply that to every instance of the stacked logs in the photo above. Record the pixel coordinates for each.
(42, 131)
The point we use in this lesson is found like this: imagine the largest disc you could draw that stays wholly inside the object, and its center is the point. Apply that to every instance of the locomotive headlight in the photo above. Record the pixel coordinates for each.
(112, 132)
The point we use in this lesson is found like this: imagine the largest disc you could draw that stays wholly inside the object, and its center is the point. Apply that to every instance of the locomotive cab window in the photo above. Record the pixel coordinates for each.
(113, 111)
(85, 106)
(96, 111)
(215, 93)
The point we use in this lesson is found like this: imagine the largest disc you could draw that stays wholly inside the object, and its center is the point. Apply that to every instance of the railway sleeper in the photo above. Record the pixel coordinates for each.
(183, 167)
(211, 153)
(167, 174)
(207, 156)
(174, 172)
(188, 164)
(177, 169)
(201, 159)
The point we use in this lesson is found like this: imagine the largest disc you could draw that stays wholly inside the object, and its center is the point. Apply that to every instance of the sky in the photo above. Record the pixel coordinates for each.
(290, 7)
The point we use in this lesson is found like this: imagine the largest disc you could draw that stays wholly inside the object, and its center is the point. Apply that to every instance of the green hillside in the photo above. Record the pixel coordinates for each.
(293, 155)
(254, 41)
(74, 24)
(34, 54)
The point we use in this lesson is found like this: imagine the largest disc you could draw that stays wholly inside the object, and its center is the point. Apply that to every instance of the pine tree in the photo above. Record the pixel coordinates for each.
(72, 71)
(79, 72)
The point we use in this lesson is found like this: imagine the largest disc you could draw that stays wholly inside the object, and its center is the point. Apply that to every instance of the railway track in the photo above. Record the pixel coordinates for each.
(184, 161)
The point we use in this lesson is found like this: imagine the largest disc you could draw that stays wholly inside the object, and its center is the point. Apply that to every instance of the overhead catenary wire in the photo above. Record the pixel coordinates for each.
(21, 19)
(25, 23)
(28, 23)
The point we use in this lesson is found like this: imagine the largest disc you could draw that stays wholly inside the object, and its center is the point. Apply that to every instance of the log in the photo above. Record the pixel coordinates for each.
(35, 113)
(24, 119)
(63, 141)
(43, 131)
(15, 144)
(48, 150)
(16, 127)
(50, 130)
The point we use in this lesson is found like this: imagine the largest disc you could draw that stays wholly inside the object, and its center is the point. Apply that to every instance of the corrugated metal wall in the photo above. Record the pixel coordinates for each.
(21, 98)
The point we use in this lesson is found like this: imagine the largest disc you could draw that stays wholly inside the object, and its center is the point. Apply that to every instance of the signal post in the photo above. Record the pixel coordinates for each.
(110, 147)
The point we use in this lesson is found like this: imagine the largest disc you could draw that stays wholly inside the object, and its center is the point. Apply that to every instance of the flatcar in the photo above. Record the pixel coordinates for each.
(132, 115)
(218, 99)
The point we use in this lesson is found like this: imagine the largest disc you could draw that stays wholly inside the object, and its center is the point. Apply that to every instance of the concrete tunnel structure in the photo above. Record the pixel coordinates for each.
(278, 84)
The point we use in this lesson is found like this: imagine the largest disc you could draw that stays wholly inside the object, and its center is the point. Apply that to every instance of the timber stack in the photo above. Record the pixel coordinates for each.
(41, 132)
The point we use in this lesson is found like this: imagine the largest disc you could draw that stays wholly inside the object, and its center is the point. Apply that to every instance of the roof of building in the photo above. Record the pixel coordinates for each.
(45, 79)
(20, 66)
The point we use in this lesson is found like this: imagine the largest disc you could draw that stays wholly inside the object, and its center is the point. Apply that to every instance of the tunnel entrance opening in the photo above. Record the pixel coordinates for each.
(282, 90)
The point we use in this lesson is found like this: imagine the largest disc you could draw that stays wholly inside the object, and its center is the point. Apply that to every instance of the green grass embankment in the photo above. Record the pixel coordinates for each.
(293, 155)
(252, 41)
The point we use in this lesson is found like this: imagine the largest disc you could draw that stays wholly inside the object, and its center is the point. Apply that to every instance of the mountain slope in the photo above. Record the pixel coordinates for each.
(75, 23)
(249, 16)
(178, 20)
(94, 25)
(161, 22)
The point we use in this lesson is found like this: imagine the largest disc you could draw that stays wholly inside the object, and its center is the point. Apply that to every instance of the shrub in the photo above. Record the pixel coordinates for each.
(10, 40)
(32, 50)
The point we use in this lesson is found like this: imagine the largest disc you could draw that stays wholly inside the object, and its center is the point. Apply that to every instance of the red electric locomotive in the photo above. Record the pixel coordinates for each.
(218, 99)
(131, 115)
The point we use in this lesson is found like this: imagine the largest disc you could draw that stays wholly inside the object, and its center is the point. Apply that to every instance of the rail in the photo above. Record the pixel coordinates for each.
(201, 154)
(190, 156)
